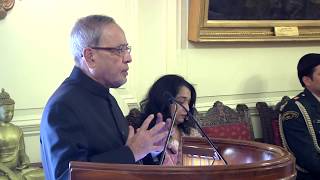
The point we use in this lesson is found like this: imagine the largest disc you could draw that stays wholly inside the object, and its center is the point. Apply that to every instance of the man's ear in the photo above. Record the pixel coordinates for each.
(306, 80)
(88, 57)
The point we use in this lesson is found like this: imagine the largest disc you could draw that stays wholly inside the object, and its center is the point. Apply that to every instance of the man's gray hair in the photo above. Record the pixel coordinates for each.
(87, 32)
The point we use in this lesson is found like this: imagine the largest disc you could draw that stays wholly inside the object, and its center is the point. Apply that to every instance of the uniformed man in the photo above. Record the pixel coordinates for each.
(300, 120)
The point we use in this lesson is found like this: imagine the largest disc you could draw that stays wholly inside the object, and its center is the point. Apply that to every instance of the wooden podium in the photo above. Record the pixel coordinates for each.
(246, 160)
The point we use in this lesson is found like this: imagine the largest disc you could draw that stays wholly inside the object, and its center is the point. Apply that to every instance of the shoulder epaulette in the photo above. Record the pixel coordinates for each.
(299, 96)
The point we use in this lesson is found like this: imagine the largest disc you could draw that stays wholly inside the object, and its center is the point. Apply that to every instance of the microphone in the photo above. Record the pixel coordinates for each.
(165, 95)
(172, 100)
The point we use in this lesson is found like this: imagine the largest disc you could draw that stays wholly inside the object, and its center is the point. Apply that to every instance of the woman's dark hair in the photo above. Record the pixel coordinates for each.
(156, 101)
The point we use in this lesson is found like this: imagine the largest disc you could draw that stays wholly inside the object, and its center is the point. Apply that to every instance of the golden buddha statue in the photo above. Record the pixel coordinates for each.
(14, 162)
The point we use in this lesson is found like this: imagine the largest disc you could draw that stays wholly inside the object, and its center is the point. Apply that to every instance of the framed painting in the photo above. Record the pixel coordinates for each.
(253, 20)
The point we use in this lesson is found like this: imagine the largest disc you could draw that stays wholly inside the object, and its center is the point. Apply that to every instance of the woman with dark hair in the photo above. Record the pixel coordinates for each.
(156, 102)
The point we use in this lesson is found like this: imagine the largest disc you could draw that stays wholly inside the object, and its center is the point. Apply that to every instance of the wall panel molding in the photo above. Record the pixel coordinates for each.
(28, 120)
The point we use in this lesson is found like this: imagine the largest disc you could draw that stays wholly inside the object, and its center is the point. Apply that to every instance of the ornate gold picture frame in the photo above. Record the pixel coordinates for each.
(246, 30)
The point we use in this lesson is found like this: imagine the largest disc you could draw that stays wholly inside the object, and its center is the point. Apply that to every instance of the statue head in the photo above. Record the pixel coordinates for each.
(6, 107)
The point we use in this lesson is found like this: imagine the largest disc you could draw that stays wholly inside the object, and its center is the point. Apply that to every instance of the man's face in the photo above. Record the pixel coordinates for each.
(111, 67)
(313, 84)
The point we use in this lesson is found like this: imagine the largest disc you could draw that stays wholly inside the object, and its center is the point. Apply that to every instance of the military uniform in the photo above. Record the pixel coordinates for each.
(300, 133)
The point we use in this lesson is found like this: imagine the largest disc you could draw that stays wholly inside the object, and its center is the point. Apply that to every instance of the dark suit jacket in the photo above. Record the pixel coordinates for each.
(299, 138)
(82, 122)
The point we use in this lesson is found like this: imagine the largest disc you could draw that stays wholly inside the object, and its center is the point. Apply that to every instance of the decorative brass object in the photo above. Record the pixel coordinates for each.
(238, 29)
(5, 5)
(14, 162)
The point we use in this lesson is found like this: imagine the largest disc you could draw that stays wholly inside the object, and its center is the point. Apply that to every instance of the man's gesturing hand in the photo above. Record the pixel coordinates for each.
(146, 141)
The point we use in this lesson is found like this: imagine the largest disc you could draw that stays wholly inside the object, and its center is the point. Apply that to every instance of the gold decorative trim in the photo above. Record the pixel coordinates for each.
(240, 33)
(250, 34)
(5, 5)
(285, 144)
(308, 121)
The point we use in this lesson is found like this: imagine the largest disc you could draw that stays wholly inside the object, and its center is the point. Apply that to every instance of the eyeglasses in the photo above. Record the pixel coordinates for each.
(119, 50)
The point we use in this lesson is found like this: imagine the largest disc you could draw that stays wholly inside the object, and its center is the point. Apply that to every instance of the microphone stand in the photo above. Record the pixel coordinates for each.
(168, 137)
(216, 152)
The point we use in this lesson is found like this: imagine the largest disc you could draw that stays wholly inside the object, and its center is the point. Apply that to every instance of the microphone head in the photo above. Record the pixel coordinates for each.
(168, 97)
